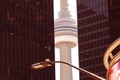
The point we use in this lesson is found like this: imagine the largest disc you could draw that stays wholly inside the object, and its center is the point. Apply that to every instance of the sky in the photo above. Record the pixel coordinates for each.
(72, 8)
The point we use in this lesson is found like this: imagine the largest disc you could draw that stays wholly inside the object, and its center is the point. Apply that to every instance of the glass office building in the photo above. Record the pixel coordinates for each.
(26, 37)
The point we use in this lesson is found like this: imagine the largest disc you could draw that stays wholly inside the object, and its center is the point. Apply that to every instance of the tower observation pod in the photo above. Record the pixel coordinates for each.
(65, 38)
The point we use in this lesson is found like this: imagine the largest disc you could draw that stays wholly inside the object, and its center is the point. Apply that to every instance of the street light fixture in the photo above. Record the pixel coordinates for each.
(111, 63)
(48, 63)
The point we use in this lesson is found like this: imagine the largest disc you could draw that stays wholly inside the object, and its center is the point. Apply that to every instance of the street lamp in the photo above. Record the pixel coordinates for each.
(48, 63)
(111, 62)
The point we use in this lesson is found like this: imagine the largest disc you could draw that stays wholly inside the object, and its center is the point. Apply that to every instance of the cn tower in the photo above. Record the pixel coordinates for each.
(65, 38)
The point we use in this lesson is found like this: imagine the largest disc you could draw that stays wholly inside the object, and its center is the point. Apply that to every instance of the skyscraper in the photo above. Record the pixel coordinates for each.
(26, 37)
(114, 16)
(93, 35)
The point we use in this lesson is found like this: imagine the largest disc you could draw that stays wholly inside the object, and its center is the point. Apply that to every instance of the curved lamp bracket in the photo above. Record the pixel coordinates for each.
(108, 54)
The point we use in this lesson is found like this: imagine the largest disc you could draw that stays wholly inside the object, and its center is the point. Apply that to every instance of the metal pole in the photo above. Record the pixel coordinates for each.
(48, 63)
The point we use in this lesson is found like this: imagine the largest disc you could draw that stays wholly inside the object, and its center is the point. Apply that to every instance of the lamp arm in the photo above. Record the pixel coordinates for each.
(48, 63)
(96, 77)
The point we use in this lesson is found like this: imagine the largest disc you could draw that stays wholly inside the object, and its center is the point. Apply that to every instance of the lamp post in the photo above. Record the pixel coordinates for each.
(48, 63)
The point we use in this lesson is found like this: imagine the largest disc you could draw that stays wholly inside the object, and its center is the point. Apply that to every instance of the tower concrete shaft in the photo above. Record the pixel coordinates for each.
(65, 38)
(65, 55)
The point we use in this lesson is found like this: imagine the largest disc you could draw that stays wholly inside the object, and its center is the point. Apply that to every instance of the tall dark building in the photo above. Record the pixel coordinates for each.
(93, 34)
(114, 16)
(26, 37)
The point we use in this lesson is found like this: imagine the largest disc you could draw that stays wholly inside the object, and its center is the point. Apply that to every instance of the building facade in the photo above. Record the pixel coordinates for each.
(93, 35)
(26, 37)
(114, 16)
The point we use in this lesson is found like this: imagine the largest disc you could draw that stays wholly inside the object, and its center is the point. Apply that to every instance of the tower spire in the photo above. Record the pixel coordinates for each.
(64, 12)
